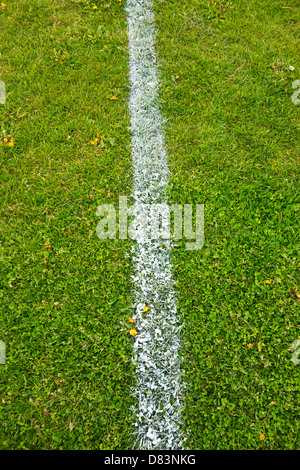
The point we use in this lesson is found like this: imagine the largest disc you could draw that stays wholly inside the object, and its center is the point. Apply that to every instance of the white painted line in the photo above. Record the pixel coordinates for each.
(157, 345)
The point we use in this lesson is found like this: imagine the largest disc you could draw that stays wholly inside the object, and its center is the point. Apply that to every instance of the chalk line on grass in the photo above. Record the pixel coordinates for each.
(156, 349)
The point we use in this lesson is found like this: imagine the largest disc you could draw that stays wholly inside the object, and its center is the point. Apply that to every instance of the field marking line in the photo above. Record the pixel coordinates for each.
(156, 349)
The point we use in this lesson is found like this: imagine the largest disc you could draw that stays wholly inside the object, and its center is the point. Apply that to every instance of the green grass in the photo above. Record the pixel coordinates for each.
(233, 142)
(66, 384)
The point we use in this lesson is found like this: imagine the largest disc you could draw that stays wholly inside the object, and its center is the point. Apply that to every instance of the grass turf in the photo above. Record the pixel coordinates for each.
(66, 383)
(233, 144)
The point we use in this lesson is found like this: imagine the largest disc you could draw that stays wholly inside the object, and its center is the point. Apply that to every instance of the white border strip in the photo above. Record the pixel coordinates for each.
(156, 347)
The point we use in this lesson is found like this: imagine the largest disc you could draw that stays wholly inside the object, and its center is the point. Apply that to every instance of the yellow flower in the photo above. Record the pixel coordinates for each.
(3, 5)
(249, 346)
(94, 7)
(145, 309)
(268, 281)
(130, 320)
(5, 139)
(11, 143)
(133, 332)
(262, 437)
